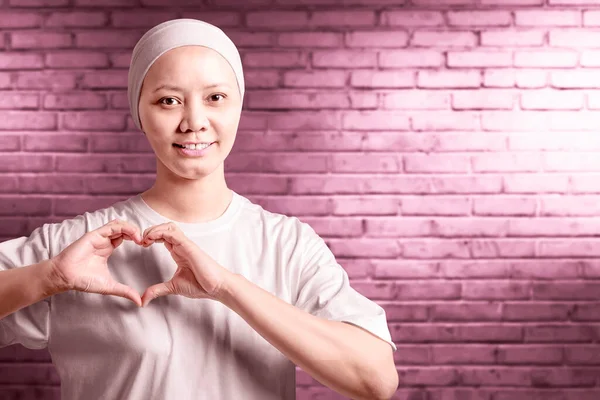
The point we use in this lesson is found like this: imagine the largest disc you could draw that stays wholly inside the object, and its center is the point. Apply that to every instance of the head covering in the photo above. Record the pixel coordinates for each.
(169, 35)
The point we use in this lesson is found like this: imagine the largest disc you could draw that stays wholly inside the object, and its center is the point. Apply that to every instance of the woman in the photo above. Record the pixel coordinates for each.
(234, 297)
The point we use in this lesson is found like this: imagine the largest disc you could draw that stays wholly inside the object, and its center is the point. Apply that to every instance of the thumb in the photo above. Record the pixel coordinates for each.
(155, 291)
(118, 289)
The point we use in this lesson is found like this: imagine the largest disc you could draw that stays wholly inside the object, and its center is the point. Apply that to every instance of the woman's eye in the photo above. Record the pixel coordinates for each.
(162, 101)
(215, 95)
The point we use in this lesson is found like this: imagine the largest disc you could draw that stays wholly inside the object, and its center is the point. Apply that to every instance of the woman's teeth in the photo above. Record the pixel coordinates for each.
(198, 146)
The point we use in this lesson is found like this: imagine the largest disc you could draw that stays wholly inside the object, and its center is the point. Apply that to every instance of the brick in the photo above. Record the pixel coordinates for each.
(585, 311)
(342, 18)
(271, 184)
(385, 269)
(482, 59)
(582, 355)
(427, 290)
(83, 19)
(571, 291)
(23, 163)
(550, 99)
(260, 79)
(75, 205)
(456, 354)
(222, 19)
(483, 99)
(20, 19)
(365, 163)
(445, 163)
(382, 79)
(344, 59)
(590, 58)
(74, 101)
(591, 17)
(105, 3)
(392, 227)
(119, 184)
(45, 80)
(302, 120)
(512, 162)
(466, 312)
(140, 18)
(94, 121)
(79, 59)
(23, 120)
(546, 59)
(282, 162)
(376, 39)
(566, 38)
(496, 376)
(420, 376)
(105, 80)
(581, 161)
(412, 355)
(547, 18)
(510, 38)
(448, 79)
(55, 142)
(445, 121)
(252, 39)
(496, 248)
(39, 40)
(87, 163)
(10, 143)
(529, 354)
(277, 19)
(434, 205)
(310, 39)
(25, 206)
(38, 3)
(577, 79)
(544, 269)
(429, 249)
(496, 290)
(479, 18)
(44, 184)
(375, 120)
(411, 18)
(568, 248)
(276, 99)
(20, 61)
(379, 248)
(107, 39)
(410, 58)
(510, 206)
(266, 59)
(444, 39)
(416, 99)
(17, 100)
(488, 269)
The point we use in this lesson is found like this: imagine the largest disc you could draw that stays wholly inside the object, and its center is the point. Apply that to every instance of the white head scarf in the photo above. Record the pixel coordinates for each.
(169, 35)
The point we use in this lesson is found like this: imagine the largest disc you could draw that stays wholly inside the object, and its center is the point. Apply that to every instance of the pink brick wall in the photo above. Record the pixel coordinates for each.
(446, 149)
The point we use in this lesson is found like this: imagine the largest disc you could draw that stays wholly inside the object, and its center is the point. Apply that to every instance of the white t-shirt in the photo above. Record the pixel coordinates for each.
(105, 347)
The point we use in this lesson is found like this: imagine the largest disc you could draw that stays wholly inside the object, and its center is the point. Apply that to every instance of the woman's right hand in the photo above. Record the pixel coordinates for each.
(83, 266)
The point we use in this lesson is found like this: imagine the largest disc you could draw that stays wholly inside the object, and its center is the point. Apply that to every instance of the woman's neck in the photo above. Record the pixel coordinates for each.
(189, 201)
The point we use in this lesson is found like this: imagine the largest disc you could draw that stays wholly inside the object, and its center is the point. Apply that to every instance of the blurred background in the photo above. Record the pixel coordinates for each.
(447, 150)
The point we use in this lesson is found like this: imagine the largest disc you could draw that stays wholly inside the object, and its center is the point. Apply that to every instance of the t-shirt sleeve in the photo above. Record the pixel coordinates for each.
(30, 325)
(324, 291)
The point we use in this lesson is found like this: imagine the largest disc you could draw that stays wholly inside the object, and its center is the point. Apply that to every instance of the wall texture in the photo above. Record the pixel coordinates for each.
(446, 149)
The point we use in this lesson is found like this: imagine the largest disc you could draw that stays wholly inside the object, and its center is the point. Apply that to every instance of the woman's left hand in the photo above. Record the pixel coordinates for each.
(198, 276)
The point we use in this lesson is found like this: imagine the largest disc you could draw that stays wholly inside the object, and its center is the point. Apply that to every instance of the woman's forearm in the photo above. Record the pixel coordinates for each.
(23, 286)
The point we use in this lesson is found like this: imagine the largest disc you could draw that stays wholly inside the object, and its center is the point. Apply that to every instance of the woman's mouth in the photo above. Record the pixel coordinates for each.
(194, 150)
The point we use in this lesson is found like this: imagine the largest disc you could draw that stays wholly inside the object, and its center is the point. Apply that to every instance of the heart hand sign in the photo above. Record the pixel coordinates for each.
(83, 265)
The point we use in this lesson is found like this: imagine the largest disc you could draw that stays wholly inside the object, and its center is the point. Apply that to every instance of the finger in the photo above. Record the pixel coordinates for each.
(155, 291)
(118, 289)
(170, 236)
(116, 242)
(116, 228)
(154, 228)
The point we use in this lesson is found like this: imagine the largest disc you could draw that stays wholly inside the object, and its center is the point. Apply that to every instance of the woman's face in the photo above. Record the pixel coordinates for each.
(190, 95)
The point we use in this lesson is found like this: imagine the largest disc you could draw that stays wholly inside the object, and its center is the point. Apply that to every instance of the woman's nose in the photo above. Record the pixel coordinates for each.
(194, 119)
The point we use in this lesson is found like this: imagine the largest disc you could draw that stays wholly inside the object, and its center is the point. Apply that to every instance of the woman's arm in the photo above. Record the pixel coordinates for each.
(23, 286)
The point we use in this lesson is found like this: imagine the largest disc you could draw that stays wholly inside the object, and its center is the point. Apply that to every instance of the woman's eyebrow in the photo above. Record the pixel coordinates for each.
(178, 89)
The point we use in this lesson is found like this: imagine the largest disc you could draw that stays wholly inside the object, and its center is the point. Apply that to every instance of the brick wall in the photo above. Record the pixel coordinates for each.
(446, 149)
